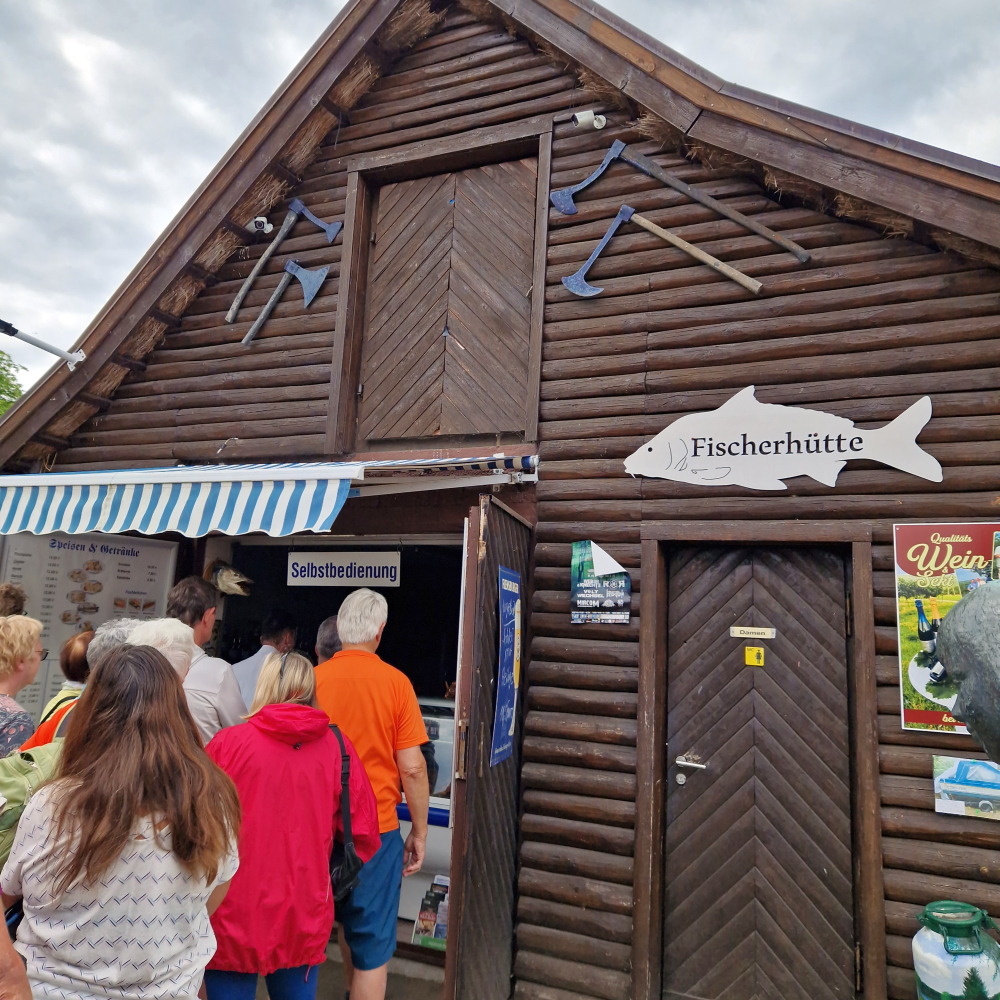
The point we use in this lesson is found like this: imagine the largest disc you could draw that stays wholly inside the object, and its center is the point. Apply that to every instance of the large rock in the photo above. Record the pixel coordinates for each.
(968, 644)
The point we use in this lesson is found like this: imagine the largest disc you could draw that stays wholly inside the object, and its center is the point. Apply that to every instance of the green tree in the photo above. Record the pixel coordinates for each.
(973, 987)
(10, 388)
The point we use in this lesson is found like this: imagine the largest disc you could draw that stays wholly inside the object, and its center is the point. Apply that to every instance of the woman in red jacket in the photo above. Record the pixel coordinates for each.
(285, 763)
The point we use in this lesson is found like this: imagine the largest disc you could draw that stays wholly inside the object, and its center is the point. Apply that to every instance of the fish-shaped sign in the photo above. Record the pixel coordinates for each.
(758, 445)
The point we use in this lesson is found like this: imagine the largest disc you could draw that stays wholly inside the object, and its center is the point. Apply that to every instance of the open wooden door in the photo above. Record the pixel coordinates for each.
(484, 798)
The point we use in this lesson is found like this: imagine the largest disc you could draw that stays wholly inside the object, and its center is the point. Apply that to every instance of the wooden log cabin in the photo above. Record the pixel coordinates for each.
(436, 131)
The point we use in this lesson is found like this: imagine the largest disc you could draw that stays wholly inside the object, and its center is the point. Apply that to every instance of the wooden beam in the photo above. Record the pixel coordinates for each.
(285, 174)
(199, 272)
(914, 197)
(101, 403)
(869, 891)
(124, 361)
(350, 316)
(170, 321)
(650, 772)
(51, 440)
(537, 319)
(180, 243)
(490, 144)
(609, 65)
(792, 532)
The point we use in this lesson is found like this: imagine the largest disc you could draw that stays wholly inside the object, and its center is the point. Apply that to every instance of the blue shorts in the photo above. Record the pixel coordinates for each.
(368, 916)
(282, 984)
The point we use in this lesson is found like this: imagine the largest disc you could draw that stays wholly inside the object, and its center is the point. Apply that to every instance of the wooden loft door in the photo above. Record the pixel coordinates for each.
(447, 318)
(759, 889)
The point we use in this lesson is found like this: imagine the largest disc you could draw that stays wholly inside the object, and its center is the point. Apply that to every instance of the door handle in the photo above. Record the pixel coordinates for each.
(684, 762)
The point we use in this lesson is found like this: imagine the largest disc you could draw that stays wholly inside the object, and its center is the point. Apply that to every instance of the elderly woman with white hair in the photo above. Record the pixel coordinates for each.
(171, 637)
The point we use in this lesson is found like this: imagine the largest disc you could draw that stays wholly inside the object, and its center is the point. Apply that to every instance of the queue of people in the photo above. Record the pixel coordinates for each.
(184, 841)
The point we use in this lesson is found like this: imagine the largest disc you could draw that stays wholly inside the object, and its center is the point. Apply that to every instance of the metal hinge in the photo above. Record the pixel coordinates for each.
(848, 614)
(361, 389)
(857, 968)
(463, 748)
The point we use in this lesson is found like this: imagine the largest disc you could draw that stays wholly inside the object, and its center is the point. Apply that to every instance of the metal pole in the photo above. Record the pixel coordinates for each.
(72, 360)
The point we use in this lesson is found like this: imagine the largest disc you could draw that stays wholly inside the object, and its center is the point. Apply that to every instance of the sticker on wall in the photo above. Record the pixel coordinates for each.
(508, 665)
(600, 587)
(936, 565)
(759, 445)
(964, 787)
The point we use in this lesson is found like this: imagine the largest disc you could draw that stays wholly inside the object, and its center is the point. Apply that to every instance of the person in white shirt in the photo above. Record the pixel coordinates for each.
(213, 695)
(277, 635)
(122, 859)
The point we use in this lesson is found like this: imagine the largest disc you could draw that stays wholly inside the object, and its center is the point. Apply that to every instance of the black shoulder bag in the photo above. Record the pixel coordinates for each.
(345, 865)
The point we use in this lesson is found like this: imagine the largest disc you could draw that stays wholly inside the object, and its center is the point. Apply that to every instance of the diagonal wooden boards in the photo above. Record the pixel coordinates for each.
(759, 891)
(446, 330)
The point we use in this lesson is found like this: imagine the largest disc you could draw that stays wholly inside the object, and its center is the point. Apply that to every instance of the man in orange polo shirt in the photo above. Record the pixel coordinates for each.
(374, 704)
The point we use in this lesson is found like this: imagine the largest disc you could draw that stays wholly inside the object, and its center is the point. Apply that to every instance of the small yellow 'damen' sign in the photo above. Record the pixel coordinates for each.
(755, 656)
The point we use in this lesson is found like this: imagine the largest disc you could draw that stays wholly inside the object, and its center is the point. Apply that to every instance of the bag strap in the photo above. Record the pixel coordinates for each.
(345, 787)
(68, 696)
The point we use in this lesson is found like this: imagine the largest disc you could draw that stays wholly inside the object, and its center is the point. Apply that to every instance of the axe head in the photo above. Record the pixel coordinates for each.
(331, 229)
(311, 280)
(578, 285)
(562, 201)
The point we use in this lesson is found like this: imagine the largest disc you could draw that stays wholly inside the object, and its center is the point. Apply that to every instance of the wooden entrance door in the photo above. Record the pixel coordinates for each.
(484, 798)
(758, 899)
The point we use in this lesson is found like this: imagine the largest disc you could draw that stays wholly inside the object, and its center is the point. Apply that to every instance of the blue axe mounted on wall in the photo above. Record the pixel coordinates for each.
(311, 282)
(563, 202)
(578, 285)
(563, 199)
(295, 209)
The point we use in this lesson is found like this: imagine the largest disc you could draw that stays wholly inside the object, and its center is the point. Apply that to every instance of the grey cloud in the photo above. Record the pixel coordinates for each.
(114, 112)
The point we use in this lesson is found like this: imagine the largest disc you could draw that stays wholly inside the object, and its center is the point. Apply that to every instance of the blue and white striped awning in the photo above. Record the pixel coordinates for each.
(195, 500)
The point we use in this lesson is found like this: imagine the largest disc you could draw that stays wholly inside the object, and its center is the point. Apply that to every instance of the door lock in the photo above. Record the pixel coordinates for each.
(693, 764)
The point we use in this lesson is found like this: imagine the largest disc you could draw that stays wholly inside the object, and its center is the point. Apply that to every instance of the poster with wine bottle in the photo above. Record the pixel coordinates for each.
(936, 565)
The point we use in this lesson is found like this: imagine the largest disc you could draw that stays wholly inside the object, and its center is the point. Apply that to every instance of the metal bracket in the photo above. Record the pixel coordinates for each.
(463, 748)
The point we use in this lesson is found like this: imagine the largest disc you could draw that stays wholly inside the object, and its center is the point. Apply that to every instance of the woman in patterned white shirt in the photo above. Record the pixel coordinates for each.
(121, 860)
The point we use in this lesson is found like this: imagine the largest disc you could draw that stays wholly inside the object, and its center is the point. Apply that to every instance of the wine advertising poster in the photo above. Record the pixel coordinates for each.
(936, 565)
(508, 665)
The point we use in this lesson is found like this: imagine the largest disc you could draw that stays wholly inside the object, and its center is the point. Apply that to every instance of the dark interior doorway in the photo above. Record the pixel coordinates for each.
(421, 635)
(758, 874)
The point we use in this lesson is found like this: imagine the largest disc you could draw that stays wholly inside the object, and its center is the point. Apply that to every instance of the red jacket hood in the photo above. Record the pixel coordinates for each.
(291, 723)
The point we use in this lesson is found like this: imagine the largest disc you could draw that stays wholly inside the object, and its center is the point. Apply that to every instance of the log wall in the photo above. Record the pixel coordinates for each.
(202, 396)
(868, 326)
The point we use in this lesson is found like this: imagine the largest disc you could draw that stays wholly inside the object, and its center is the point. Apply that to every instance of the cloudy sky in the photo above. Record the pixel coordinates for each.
(114, 111)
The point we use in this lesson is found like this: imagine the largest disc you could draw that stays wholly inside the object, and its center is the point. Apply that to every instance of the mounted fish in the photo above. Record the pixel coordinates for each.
(759, 445)
(224, 578)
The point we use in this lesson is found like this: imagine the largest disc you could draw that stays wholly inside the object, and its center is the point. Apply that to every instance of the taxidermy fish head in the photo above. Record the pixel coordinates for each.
(224, 578)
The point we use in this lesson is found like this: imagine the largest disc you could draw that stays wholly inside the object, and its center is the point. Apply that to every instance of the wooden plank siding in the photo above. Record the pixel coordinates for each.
(870, 325)
(203, 397)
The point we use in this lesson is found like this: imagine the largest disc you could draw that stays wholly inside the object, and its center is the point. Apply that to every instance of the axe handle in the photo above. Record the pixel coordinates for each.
(739, 277)
(286, 227)
(286, 277)
(652, 169)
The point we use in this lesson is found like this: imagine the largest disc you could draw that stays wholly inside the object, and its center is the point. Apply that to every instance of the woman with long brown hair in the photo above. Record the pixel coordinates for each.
(123, 857)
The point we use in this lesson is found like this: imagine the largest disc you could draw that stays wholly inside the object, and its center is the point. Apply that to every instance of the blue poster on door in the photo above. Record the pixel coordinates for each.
(508, 666)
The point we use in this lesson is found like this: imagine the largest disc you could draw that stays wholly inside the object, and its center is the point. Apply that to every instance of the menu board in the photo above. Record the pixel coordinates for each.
(74, 583)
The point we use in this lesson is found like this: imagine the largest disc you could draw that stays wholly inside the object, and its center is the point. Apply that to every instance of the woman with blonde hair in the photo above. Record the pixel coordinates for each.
(285, 763)
(123, 857)
(21, 655)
